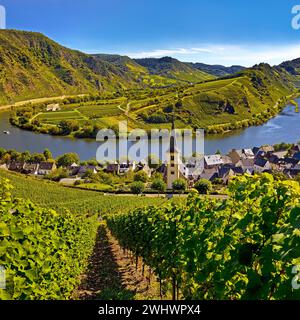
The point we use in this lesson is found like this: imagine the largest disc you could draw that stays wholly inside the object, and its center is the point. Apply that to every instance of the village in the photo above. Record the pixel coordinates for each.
(219, 169)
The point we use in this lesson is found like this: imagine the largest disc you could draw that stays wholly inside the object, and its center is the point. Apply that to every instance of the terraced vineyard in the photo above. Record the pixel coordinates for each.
(55, 196)
(56, 117)
(247, 98)
(242, 248)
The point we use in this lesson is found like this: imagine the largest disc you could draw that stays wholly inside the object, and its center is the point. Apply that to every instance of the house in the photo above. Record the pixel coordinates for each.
(292, 173)
(297, 166)
(261, 165)
(235, 155)
(297, 156)
(16, 166)
(192, 169)
(209, 174)
(53, 107)
(212, 161)
(144, 167)
(112, 168)
(225, 173)
(267, 148)
(295, 149)
(246, 164)
(82, 170)
(290, 162)
(30, 168)
(280, 154)
(3, 166)
(126, 167)
(261, 154)
(240, 170)
(226, 159)
(248, 154)
(255, 150)
(46, 168)
(73, 169)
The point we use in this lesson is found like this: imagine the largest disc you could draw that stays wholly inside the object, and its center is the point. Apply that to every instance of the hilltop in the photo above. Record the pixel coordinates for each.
(173, 68)
(33, 66)
(217, 70)
(141, 91)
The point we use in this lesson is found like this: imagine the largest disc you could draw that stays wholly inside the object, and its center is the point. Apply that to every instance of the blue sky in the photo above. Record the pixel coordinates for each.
(211, 31)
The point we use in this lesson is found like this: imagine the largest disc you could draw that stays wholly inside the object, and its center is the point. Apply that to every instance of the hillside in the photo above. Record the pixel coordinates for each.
(247, 98)
(53, 195)
(293, 68)
(173, 68)
(139, 73)
(217, 70)
(34, 66)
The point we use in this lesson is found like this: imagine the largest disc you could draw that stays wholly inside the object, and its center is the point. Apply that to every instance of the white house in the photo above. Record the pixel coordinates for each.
(53, 107)
(212, 161)
(261, 165)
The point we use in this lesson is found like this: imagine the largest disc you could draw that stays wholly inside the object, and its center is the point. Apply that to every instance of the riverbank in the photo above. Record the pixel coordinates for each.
(256, 119)
(84, 119)
(283, 127)
(38, 100)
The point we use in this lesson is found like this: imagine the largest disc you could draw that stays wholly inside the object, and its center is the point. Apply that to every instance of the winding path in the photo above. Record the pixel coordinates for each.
(39, 100)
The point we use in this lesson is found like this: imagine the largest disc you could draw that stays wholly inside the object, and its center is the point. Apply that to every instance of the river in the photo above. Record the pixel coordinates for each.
(285, 127)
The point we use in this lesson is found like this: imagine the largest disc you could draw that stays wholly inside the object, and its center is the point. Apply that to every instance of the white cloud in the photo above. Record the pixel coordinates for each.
(166, 52)
(246, 55)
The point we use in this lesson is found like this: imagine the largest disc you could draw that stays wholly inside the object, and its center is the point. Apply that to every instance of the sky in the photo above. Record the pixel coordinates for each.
(227, 32)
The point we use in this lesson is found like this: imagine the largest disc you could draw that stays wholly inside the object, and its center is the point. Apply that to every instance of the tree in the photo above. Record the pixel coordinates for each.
(68, 126)
(57, 175)
(88, 174)
(158, 185)
(48, 155)
(179, 104)
(141, 176)
(137, 187)
(179, 185)
(92, 162)
(37, 158)
(14, 155)
(203, 186)
(25, 156)
(2, 152)
(67, 159)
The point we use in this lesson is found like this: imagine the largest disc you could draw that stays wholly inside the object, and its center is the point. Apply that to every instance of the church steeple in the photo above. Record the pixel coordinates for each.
(173, 163)
(172, 138)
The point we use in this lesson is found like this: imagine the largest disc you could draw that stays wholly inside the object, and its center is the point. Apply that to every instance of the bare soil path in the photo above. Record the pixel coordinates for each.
(112, 274)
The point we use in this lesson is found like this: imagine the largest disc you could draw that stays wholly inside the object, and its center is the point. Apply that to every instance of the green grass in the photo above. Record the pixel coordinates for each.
(52, 195)
(100, 111)
(96, 186)
(56, 117)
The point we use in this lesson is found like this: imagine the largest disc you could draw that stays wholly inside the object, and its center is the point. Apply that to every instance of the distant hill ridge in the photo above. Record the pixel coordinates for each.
(33, 66)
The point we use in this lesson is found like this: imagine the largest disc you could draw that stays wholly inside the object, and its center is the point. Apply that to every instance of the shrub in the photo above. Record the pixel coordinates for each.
(179, 185)
(141, 176)
(137, 187)
(203, 186)
(158, 185)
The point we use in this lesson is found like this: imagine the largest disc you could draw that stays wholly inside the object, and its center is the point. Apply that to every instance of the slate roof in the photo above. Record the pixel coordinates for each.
(213, 160)
(260, 162)
(47, 166)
